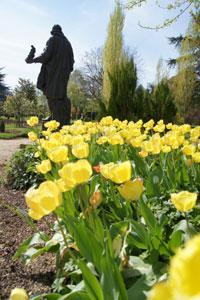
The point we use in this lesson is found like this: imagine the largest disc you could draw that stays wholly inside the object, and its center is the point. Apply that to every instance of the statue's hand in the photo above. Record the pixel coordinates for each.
(29, 59)
(33, 49)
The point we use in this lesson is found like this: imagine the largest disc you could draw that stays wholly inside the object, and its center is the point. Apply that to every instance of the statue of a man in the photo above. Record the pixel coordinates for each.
(57, 63)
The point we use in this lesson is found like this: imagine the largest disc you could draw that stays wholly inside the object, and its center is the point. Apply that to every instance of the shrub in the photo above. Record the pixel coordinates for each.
(2, 126)
(20, 171)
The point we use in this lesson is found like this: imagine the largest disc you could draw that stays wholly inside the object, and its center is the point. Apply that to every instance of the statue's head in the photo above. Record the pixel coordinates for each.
(56, 29)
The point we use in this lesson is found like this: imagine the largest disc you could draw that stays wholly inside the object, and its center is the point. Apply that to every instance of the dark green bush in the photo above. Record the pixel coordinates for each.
(2, 126)
(20, 171)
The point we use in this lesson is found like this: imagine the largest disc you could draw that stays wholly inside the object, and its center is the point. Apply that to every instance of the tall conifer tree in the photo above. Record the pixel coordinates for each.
(113, 50)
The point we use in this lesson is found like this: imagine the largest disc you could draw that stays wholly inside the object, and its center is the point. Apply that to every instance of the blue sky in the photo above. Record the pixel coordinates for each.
(84, 22)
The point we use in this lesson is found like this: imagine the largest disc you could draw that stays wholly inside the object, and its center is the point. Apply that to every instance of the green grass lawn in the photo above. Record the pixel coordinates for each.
(13, 131)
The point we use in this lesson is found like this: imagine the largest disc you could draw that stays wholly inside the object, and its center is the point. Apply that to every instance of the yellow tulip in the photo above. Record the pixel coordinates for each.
(82, 171)
(116, 139)
(106, 121)
(149, 124)
(58, 154)
(44, 166)
(105, 169)
(184, 201)
(196, 157)
(188, 149)
(184, 272)
(77, 139)
(33, 202)
(161, 291)
(18, 294)
(51, 144)
(102, 140)
(62, 185)
(143, 154)
(66, 173)
(32, 136)
(44, 200)
(169, 126)
(52, 125)
(132, 190)
(166, 149)
(76, 173)
(32, 121)
(159, 128)
(118, 173)
(80, 150)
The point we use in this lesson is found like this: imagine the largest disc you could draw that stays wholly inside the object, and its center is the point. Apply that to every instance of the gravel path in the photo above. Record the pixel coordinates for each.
(8, 147)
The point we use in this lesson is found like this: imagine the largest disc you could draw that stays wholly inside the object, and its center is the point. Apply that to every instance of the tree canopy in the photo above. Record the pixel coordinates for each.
(3, 88)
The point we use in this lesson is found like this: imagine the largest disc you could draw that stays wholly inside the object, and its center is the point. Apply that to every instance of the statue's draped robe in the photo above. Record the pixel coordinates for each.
(57, 63)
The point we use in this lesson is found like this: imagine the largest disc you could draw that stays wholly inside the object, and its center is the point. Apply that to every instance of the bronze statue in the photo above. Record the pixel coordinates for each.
(57, 63)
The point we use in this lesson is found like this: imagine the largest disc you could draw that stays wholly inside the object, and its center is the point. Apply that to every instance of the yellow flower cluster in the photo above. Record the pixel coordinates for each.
(150, 138)
(184, 274)
(63, 155)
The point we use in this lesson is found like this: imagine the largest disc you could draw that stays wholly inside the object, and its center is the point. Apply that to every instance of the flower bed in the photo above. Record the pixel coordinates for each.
(124, 196)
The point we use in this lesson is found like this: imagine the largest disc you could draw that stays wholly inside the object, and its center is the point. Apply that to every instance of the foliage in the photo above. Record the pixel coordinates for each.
(172, 5)
(79, 91)
(76, 93)
(113, 50)
(3, 88)
(186, 83)
(20, 171)
(16, 106)
(2, 126)
(118, 206)
(26, 90)
(123, 83)
(25, 100)
(162, 104)
(93, 73)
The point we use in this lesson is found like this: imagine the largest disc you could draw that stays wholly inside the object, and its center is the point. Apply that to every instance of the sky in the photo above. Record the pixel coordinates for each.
(84, 22)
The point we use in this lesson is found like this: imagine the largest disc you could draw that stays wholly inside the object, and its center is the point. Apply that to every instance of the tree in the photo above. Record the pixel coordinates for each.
(172, 5)
(140, 103)
(26, 89)
(123, 83)
(93, 73)
(18, 107)
(22, 102)
(77, 97)
(3, 88)
(113, 50)
(42, 108)
(186, 83)
(79, 93)
(162, 104)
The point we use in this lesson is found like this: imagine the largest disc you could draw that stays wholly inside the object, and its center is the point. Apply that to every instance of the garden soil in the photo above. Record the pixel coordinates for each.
(37, 277)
